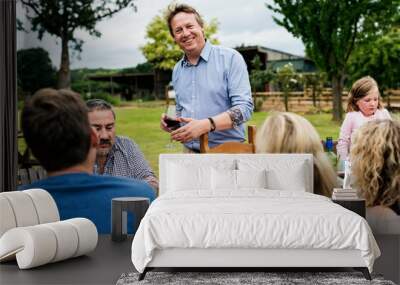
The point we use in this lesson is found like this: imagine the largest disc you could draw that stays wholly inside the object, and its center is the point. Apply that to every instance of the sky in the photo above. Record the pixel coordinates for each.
(246, 22)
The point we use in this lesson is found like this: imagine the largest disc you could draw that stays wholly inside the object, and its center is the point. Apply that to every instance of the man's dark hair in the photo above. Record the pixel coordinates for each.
(178, 8)
(99, 105)
(56, 128)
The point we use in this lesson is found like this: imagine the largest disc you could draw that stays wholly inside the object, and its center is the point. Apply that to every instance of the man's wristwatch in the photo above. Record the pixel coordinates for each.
(212, 124)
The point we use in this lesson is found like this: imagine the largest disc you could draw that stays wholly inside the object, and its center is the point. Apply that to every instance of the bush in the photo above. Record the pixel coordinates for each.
(258, 103)
(113, 100)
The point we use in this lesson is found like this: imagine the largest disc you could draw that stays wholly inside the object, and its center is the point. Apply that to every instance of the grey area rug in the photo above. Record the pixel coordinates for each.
(269, 278)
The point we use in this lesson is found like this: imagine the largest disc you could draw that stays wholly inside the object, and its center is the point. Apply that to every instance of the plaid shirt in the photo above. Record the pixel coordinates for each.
(125, 159)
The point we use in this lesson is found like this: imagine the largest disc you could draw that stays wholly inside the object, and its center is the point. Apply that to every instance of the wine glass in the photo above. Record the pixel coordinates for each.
(170, 113)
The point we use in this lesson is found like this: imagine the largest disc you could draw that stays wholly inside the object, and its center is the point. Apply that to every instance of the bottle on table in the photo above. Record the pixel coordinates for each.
(329, 151)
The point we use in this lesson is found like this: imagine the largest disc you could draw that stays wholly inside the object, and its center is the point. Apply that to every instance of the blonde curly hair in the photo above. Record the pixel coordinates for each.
(375, 158)
(291, 133)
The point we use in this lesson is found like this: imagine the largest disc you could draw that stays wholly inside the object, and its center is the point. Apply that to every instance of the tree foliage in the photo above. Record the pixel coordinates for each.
(61, 18)
(331, 29)
(316, 81)
(286, 78)
(258, 77)
(380, 59)
(161, 50)
(34, 70)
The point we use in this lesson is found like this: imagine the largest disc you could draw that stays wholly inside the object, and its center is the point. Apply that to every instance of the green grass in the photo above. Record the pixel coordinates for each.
(141, 122)
(322, 122)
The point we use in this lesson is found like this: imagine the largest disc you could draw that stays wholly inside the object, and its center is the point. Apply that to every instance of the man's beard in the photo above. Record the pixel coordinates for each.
(104, 151)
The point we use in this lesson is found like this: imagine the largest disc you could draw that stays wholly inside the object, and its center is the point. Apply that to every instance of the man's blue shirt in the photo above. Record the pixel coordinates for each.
(217, 83)
(89, 196)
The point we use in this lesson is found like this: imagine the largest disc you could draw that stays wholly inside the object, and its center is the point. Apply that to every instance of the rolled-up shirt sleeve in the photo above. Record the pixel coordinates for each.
(239, 91)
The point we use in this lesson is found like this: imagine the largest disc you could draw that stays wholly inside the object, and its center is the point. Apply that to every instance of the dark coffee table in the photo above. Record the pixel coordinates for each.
(102, 266)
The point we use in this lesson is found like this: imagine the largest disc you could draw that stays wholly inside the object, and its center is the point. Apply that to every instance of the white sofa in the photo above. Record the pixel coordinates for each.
(31, 231)
(264, 197)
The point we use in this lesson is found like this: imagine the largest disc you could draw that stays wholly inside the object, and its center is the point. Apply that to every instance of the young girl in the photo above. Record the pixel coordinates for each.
(363, 105)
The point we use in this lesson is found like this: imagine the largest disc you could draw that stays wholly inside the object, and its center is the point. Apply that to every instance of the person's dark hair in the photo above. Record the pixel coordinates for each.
(178, 8)
(56, 128)
(99, 105)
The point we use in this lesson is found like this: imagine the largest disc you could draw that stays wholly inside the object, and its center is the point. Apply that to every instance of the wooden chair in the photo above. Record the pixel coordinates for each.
(231, 147)
(30, 175)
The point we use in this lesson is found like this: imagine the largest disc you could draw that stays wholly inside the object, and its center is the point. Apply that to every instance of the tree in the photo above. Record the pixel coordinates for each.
(161, 50)
(379, 59)
(316, 81)
(331, 29)
(34, 70)
(61, 18)
(259, 77)
(286, 78)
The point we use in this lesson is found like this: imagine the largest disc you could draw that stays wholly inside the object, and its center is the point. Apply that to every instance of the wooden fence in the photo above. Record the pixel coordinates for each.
(303, 100)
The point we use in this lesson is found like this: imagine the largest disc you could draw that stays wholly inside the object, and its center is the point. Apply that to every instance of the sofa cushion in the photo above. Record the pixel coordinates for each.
(279, 180)
(26, 208)
(40, 244)
(223, 179)
(252, 178)
(291, 175)
(184, 177)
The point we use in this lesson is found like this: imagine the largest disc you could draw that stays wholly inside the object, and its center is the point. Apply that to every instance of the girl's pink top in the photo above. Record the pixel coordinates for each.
(353, 121)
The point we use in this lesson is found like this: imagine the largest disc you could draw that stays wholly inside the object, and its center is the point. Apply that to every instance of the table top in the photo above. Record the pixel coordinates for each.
(102, 266)
(129, 199)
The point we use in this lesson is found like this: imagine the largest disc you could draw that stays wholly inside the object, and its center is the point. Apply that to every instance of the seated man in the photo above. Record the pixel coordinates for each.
(116, 155)
(57, 130)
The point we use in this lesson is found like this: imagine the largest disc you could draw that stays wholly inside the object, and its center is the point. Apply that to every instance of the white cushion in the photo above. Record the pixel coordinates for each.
(66, 237)
(26, 208)
(87, 233)
(285, 165)
(188, 177)
(45, 205)
(31, 232)
(7, 218)
(23, 208)
(297, 181)
(251, 178)
(223, 179)
(40, 244)
(282, 174)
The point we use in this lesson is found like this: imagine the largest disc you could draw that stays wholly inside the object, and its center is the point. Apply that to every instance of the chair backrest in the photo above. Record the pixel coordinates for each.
(231, 147)
(30, 175)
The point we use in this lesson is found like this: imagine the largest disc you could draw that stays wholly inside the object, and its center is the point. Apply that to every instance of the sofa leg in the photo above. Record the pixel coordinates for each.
(364, 271)
(142, 275)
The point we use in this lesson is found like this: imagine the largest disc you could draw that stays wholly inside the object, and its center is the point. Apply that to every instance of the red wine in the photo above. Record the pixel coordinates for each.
(172, 124)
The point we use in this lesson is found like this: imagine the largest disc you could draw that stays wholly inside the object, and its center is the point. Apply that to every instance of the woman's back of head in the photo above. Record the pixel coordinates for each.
(291, 133)
(375, 157)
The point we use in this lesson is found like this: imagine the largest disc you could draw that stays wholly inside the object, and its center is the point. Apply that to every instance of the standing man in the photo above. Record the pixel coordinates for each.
(116, 155)
(212, 85)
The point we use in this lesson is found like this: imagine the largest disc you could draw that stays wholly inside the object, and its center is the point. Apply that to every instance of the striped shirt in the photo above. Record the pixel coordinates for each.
(125, 159)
